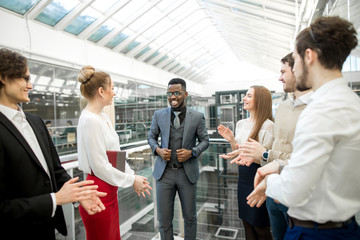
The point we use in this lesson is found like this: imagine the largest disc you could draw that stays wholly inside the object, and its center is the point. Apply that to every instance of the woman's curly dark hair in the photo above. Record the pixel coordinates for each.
(12, 65)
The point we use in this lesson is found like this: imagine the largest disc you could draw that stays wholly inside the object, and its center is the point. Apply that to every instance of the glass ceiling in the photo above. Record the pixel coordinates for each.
(194, 39)
(175, 36)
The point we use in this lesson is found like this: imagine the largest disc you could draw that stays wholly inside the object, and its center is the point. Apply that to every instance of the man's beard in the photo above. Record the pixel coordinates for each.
(301, 80)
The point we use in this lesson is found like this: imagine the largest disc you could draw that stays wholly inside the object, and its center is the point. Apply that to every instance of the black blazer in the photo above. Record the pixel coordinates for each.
(25, 202)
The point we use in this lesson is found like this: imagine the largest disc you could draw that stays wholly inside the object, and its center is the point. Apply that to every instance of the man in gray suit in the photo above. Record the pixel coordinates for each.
(176, 167)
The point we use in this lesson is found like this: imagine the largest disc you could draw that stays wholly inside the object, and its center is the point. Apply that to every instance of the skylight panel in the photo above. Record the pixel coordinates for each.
(116, 40)
(130, 46)
(183, 10)
(151, 56)
(87, 17)
(144, 20)
(101, 32)
(158, 28)
(161, 59)
(171, 33)
(103, 5)
(142, 52)
(18, 6)
(55, 11)
(127, 11)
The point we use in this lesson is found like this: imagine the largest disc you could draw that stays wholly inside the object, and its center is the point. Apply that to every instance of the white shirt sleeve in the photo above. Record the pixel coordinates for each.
(53, 198)
(94, 142)
(313, 144)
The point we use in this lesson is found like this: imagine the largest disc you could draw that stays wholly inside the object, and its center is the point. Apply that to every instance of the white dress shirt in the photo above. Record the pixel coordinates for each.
(18, 118)
(321, 182)
(96, 136)
(302, 100)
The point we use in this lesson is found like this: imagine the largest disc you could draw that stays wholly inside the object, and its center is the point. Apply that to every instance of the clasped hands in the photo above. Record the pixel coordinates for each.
(246, 153)
(182, 154)
(83, 192)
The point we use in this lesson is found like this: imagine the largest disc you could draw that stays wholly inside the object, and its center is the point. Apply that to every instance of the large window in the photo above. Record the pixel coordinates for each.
(57, 100)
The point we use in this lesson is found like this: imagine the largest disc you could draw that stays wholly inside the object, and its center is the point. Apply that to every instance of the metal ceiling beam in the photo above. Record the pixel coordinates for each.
(35, 11)
(169, 41)
(103, 18)
(278, 40)
(181, 43)
(124, 25)
(156, 36)
(166, 14)
(65, 21)
(150, 52)
(250, 20)
(139, 32)
(261, 26)
(244, 8)
(284, 6)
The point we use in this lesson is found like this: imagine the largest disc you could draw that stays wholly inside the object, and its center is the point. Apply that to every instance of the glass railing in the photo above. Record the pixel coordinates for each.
(216, 198)
(217, 207)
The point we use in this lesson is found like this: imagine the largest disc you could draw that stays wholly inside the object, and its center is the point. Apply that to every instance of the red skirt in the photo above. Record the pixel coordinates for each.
(103, 225)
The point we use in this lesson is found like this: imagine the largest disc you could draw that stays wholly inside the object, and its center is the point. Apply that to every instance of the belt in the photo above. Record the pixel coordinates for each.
(174, 166)
(311, 224)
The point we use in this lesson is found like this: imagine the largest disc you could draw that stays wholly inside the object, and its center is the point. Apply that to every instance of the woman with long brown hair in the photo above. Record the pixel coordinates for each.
(259, 126)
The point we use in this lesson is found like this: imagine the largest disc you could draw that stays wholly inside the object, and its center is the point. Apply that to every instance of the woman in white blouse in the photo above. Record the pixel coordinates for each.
(95, 136)
(259, 126)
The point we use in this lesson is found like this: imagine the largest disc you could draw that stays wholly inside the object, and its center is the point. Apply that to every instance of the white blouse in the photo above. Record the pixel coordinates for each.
(95, 136)
(266, 133)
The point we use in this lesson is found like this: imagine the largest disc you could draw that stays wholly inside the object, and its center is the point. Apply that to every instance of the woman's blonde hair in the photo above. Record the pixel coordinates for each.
(92, 80)
(263, 109)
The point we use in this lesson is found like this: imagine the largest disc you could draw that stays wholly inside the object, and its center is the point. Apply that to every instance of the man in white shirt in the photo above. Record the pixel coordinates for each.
(33, 184)
(287, 115)
(320, 184)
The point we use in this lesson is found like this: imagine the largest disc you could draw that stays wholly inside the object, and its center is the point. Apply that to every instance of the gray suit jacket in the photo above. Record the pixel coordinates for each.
(194, 128)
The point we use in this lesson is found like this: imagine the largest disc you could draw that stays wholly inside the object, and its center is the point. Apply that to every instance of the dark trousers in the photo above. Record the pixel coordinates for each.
(348, 232)
(172, 181)
(278, 218)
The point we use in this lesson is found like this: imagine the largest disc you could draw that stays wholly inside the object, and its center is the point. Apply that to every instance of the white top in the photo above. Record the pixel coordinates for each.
(245, 126)
(18, 118)
(95, 136)
(321, 182)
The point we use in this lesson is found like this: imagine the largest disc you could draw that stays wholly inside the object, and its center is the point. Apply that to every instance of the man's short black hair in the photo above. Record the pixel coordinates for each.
(47, 122)
(178, 81)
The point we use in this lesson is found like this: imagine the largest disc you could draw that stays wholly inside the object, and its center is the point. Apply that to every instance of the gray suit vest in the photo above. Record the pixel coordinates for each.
(175, 143)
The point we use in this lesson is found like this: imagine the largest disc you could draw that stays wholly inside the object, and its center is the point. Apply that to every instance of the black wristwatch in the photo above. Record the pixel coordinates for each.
(265, 155)
(193, 154)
